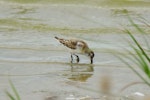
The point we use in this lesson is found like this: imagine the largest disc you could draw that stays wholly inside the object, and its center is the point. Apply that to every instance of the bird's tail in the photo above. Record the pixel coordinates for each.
(60, 40)
(56, 38)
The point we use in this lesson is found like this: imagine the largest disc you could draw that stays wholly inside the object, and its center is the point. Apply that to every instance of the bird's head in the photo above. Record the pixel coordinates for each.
(91, 55)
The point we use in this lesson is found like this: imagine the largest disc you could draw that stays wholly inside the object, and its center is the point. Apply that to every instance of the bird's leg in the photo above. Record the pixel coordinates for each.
(77, 58)
(71, 58)
(91, 60)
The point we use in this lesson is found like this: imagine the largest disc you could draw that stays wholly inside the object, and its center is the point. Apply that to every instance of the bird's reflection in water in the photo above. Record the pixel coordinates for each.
(81, 72)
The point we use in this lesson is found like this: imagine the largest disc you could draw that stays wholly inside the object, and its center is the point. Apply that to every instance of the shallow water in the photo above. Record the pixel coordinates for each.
(40, 67)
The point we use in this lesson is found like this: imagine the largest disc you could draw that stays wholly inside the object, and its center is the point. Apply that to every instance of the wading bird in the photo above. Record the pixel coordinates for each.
(77, 47)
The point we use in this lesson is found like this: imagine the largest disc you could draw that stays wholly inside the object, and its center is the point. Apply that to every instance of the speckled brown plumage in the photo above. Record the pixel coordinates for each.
(69, 43)
(77, 47)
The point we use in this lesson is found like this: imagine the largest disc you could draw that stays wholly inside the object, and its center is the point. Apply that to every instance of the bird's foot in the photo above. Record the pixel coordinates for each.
(77, 58)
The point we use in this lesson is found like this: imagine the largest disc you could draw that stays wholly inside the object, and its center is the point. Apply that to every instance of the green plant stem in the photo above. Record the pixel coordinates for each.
(143, 52)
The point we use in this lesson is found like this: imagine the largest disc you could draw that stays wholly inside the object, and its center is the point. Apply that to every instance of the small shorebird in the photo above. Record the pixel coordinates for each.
(77, 47)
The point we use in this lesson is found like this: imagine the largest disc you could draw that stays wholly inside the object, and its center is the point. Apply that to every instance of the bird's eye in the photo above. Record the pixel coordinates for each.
(80, 45)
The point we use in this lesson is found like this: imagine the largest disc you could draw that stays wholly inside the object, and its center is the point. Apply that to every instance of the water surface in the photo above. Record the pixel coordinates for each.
(40, 67)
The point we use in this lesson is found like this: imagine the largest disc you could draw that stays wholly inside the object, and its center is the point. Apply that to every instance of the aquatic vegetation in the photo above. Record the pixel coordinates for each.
(122, 12)
(16, 95)
(26, 24)
(24, 1)
(139, 56)
(123, 3)
(23, 10)
(110, 3)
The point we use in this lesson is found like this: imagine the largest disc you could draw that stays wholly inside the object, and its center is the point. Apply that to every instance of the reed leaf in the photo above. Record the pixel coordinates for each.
(139, 56)
(138, 45)
(133, 69)
(10, 96)
(139, 29)
(16, 95)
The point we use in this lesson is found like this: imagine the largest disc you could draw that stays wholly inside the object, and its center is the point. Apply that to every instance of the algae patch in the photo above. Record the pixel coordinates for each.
(24, 24)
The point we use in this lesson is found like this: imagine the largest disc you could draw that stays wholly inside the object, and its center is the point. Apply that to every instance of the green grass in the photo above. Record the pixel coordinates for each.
(11, 96)
(139, 56)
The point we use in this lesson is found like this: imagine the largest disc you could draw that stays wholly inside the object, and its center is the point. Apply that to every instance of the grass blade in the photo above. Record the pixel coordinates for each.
(16, 96)
(10, 96)
(144, 21)
(140, 30)
(143, 63)
(135, 25)
(138, 45)
(15, 91)
(133, 70)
